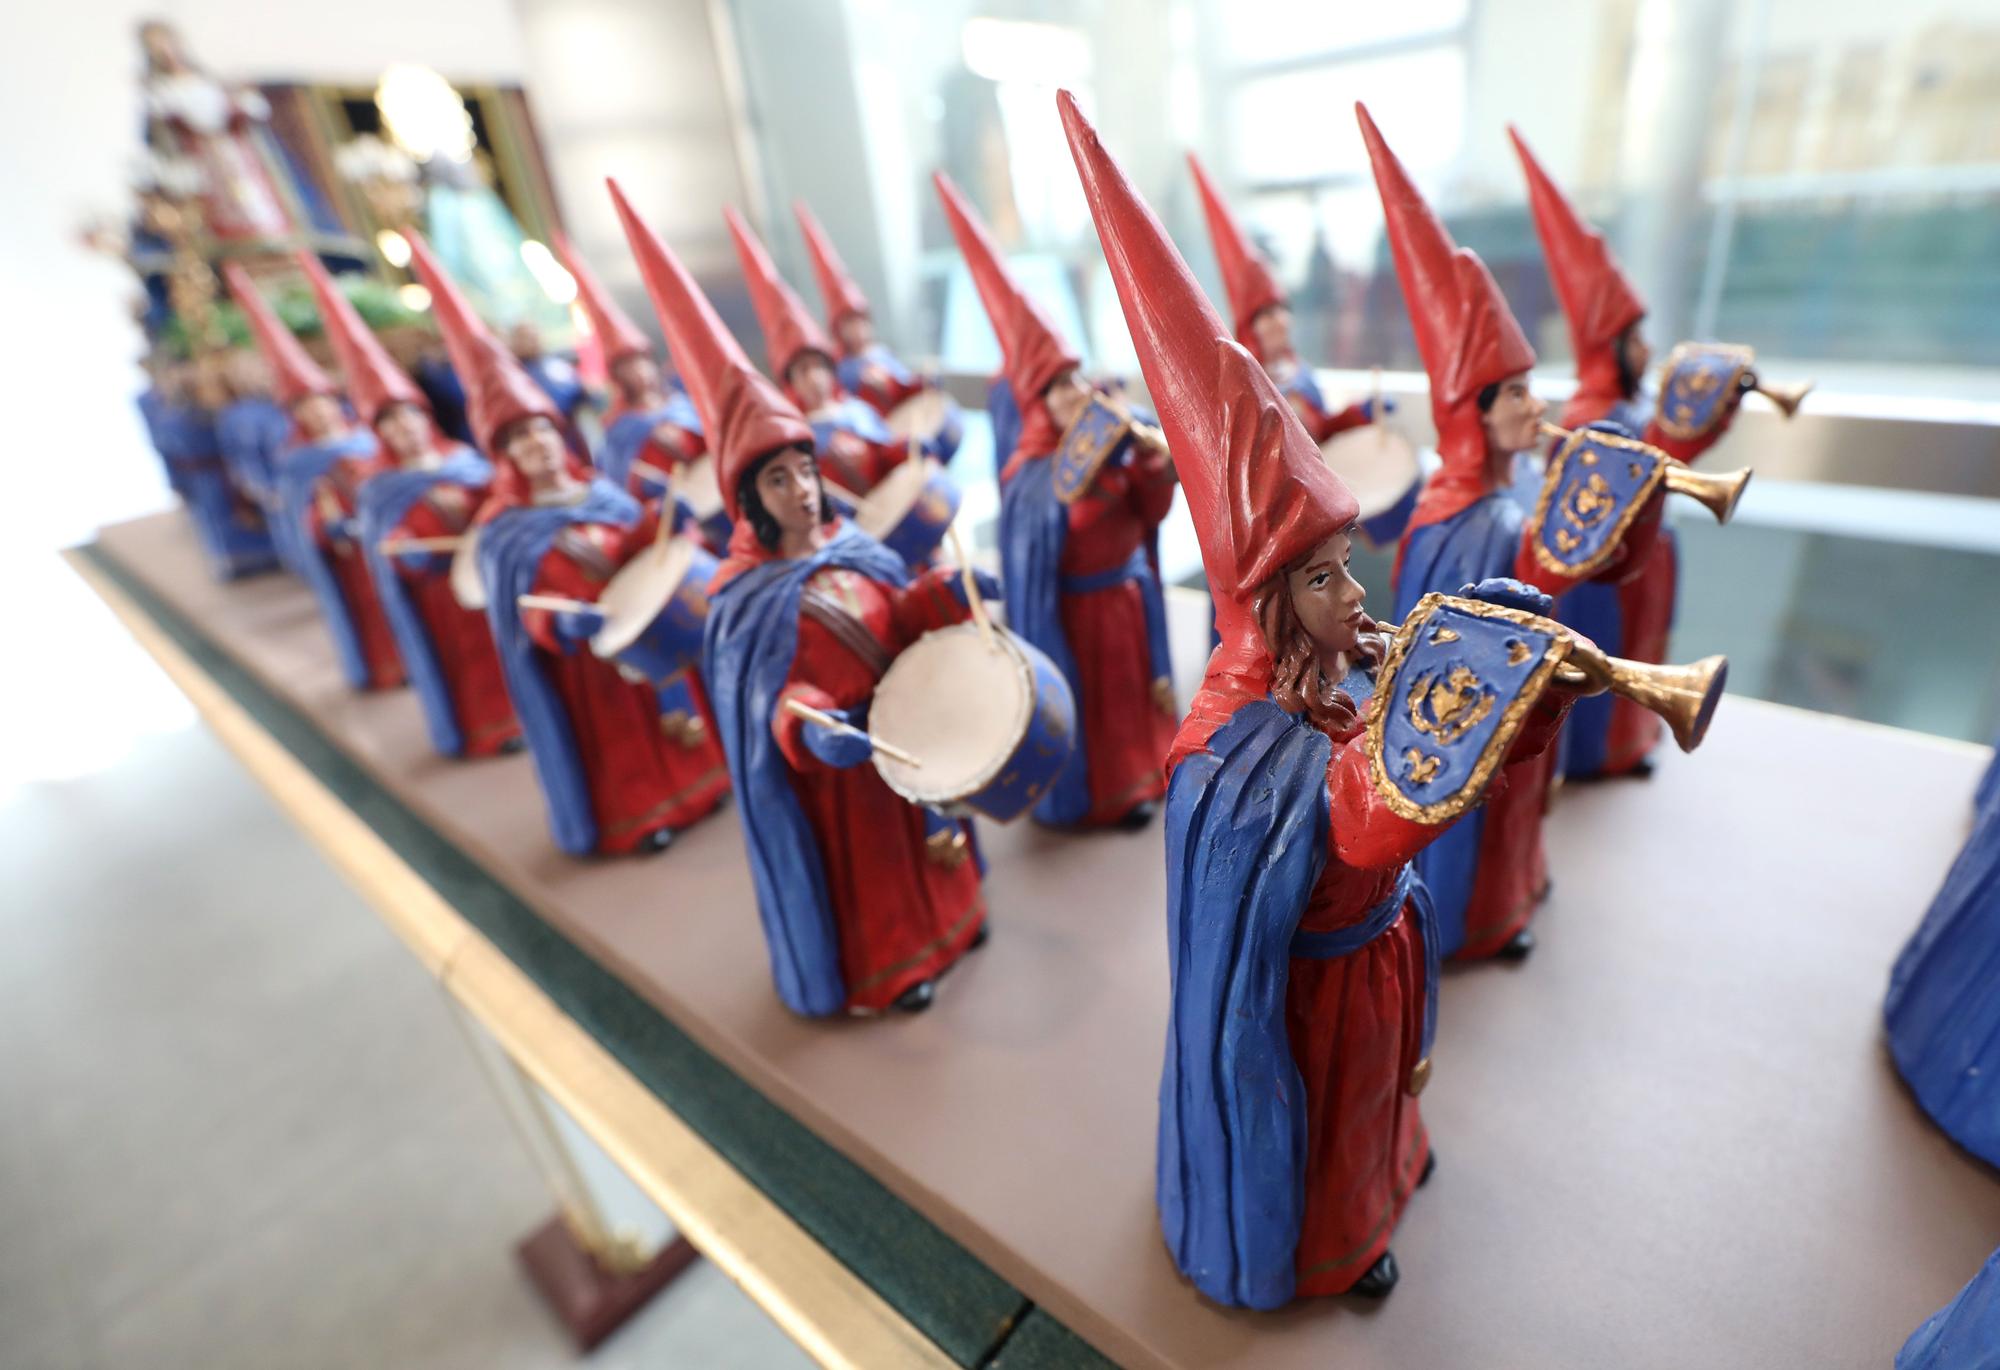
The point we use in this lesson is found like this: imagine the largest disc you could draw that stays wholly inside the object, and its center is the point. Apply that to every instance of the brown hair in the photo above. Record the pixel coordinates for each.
(1298, 684)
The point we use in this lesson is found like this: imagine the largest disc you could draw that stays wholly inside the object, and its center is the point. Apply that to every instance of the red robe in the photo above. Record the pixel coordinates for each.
(646, 770)
(907, 902)
(335, 493)
(461, 637)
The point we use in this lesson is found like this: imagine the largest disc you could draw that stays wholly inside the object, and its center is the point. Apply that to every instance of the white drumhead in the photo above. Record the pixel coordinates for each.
(955, 704)
(696, 483)
(893, 495)
(1377, 463)
(466, 586)
(921, 415)
(633, 598)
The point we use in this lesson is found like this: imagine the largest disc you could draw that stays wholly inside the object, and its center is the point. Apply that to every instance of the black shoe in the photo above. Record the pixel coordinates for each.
(658, 840)
(1380, 1279)
(1641, 770)
(917, 997)
(979, 938)
(1138, 816)
(514, 744)
(1548, 888)
(1517, 947)
(1430, 1165)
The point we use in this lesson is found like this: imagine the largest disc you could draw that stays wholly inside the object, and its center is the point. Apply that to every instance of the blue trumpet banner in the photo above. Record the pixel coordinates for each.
(1699, 378)
(1595, 486)
(1460, 677)
(1089, 440)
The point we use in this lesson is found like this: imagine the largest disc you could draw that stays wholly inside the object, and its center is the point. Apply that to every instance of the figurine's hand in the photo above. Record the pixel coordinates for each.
(1368, 410)
(988, 583)
(1611, 426)
(836, 748)
(1511, 594)
(575, 626)
(341, 529)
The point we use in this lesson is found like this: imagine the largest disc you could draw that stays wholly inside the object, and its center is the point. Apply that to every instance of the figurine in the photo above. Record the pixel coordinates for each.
(623, 762)
(1302, 945)
(192, 116)
(251, 430)
(866, 899)
(856, 450)
(231, 527)
(1965, 1333)
(554, 374)
(867, 367)
(320, 473)
(651, 429)
(1632, 615)
(411, 519)
(1489, 872)
(1943, 1009)
(1081, 500)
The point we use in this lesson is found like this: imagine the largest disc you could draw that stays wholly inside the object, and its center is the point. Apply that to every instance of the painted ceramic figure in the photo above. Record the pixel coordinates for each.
(1943, 1010)
(251, 429)
(406, 516)
(556, 375)
(1302, 949)
(865, 898)
(1633, 614)
(1082, 494)
(186, 436)
(1489, 872)
(1965, 1333)
(651, 427)
(623, 763)
(319, 478)
(867, 367)
(855, 448)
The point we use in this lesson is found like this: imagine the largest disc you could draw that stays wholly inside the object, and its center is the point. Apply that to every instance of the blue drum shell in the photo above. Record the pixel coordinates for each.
(672, 641)
(916, 537)
(1044, 749)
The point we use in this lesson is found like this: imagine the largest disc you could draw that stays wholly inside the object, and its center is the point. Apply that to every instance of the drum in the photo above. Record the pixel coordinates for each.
(993, 726)
(1380, 466)
(654, 611)
(466, 586)
(932, 419)
(910, 510)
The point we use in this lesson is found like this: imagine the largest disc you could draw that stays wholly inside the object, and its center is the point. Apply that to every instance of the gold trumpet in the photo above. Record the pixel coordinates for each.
(1717, 491)
(1786, 397)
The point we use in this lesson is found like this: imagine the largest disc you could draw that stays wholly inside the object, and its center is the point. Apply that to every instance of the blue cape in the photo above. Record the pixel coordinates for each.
(855, 415)
(251, 431)
(299, 468)
(1473, 544)
(752, 635)
(629, 431)
(1943, 1009)
(1246, 841)
(1965, 1333)
(1005, 416)
(558, 379)
(382, 503)
(511, 548)
(189, 447)
(1989, 783)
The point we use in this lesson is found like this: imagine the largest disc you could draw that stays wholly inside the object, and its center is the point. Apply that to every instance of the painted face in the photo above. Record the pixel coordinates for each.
(637, 377)
(1066, 397)
(318, 417)
(1272, 328)
(1326, 598)
(855, 331)
(536, 449)
(788, 485)
(1513, 424)
(405, 429)
(1638, 355)
(811, 379)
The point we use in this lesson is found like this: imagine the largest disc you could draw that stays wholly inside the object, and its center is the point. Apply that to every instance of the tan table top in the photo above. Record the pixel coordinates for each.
(1671, 1138)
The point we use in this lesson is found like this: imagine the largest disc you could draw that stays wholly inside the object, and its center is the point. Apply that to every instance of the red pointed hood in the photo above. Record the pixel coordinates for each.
(294, 374)
(1261, 494)
(789, 328)
(1246, 276)
(1032, 352)
(617, 336)
(1597, 300)
(1465, 332)
(497, 391)
(744, 413)
(374, 381)
(838, 288)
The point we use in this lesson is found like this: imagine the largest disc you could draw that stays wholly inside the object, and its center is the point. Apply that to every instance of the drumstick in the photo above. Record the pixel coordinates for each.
(841, 492)
(667, 498)
(652, 472)
(973, 599)
(827, 720)
(557, 604)
(392, 547)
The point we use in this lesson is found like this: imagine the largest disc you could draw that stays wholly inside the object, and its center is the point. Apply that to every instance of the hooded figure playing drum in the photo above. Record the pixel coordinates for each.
(616, 718)
(866, 899)
(1301, 944)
